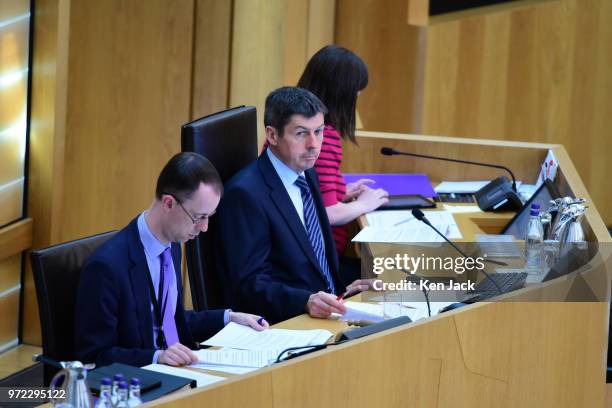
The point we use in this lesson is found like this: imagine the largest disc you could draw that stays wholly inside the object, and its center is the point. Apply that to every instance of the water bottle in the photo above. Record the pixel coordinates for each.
(104, 400)
(122, 395)
(117, 378)
(134, 398)
(533, 242)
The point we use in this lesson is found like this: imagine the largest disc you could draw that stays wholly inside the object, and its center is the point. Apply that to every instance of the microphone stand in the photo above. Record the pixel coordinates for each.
(418, 214)
(387, 151)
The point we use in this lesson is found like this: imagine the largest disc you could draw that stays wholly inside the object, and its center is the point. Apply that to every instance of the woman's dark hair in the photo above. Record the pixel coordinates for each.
(182, 176)
(336, 75)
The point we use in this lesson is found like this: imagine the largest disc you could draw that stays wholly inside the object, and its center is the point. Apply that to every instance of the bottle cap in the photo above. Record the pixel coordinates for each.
(535, 206)
(123, 385)
(105, 381)
(118, 377)
(135, 381)
(534, 213)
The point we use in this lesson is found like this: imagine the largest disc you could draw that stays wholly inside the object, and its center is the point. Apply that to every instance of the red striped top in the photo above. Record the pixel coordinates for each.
(333, 187)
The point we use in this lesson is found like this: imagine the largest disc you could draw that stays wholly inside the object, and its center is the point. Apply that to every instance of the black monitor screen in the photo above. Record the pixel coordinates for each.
(542, 196)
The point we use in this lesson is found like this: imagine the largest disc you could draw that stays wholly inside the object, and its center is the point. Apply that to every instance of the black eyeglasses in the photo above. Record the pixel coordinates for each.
(195, 220)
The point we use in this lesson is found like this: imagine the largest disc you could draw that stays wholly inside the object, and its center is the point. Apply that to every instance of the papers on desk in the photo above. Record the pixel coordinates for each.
(201, 379)
(461, 209)
(362, 311)
(402, 227)
(460, 187)
(243, 337)
(236, 358)
(463, 187)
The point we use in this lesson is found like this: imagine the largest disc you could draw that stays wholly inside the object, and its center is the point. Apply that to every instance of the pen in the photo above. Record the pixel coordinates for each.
(401, 222)
(346, 293)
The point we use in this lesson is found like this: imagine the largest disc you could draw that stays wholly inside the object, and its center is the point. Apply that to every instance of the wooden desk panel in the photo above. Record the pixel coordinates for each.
(517, 353)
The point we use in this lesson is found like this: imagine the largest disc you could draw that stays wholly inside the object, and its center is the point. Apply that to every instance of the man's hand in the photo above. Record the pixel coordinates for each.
(360, 285)
(256, 322)
(323, 304)
(177, 355)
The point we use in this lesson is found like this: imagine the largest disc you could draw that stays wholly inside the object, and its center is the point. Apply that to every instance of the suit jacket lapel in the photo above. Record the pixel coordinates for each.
(281, 200)
(139, 276)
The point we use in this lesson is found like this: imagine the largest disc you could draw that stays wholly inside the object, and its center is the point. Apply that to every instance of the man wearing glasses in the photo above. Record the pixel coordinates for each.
(129, 307)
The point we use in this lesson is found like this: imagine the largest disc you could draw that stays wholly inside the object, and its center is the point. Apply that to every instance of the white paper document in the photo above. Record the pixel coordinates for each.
(235, 357)
(362, 311)
(460, 187)
(243, 337)
(461, 209)
(202, 379)
(402, 227)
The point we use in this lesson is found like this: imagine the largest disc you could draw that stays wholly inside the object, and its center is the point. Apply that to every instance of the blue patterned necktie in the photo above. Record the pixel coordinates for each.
(313, 230)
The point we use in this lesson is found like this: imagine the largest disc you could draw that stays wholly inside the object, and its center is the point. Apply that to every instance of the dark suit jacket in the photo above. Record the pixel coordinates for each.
(113, 321)
(263, 256)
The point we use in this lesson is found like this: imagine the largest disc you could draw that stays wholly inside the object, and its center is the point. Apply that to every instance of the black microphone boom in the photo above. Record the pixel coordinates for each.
(388, 151)
(495, 195)
(418, 214)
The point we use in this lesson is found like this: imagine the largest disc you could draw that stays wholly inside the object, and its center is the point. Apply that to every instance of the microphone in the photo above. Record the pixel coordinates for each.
(388, 151)
(418, 214)
(492, 196)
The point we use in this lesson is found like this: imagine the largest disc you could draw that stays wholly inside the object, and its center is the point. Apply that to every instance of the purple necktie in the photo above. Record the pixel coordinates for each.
(168, 324)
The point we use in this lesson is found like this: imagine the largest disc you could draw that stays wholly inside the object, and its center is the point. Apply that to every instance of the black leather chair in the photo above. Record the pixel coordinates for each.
(229, 140)
(56, 277)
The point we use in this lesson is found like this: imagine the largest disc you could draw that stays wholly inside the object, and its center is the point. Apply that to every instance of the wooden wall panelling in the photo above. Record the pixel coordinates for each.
(258, 29)
(321, 26)
(10, 284)
(377, 31)
(129, 90)
(294, 56)
(366, 157)
(111, 86)
(211, 56)
(47, 131)
(10, 272)
(271, 43)
(536, 73)
(15, 238)
(9, 324)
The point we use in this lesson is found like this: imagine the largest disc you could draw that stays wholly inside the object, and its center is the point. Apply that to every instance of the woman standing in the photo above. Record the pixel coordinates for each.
(337, 76)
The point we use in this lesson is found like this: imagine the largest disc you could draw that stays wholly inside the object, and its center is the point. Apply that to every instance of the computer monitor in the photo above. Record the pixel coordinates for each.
(543, 195)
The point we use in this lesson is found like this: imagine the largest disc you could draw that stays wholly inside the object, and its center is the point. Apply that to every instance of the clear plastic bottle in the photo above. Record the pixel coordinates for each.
(134, 398)
(122, 395)
(117, 378)
(533, 242)
(104, 399)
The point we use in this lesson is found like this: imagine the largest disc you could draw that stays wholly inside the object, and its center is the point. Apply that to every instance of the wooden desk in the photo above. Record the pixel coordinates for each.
(520, 353)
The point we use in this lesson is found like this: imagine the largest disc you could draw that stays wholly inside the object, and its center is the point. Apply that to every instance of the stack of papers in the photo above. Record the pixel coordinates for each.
(402, 227)
(243, 337)
(362, 311)
(460, 187)
(244, 349)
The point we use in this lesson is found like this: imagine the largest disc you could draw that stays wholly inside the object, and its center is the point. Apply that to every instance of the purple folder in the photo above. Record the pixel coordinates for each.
(397, 184)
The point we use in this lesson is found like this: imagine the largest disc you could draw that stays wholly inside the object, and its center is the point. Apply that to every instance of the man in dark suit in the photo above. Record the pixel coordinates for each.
(129, 307)
(275, 251)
